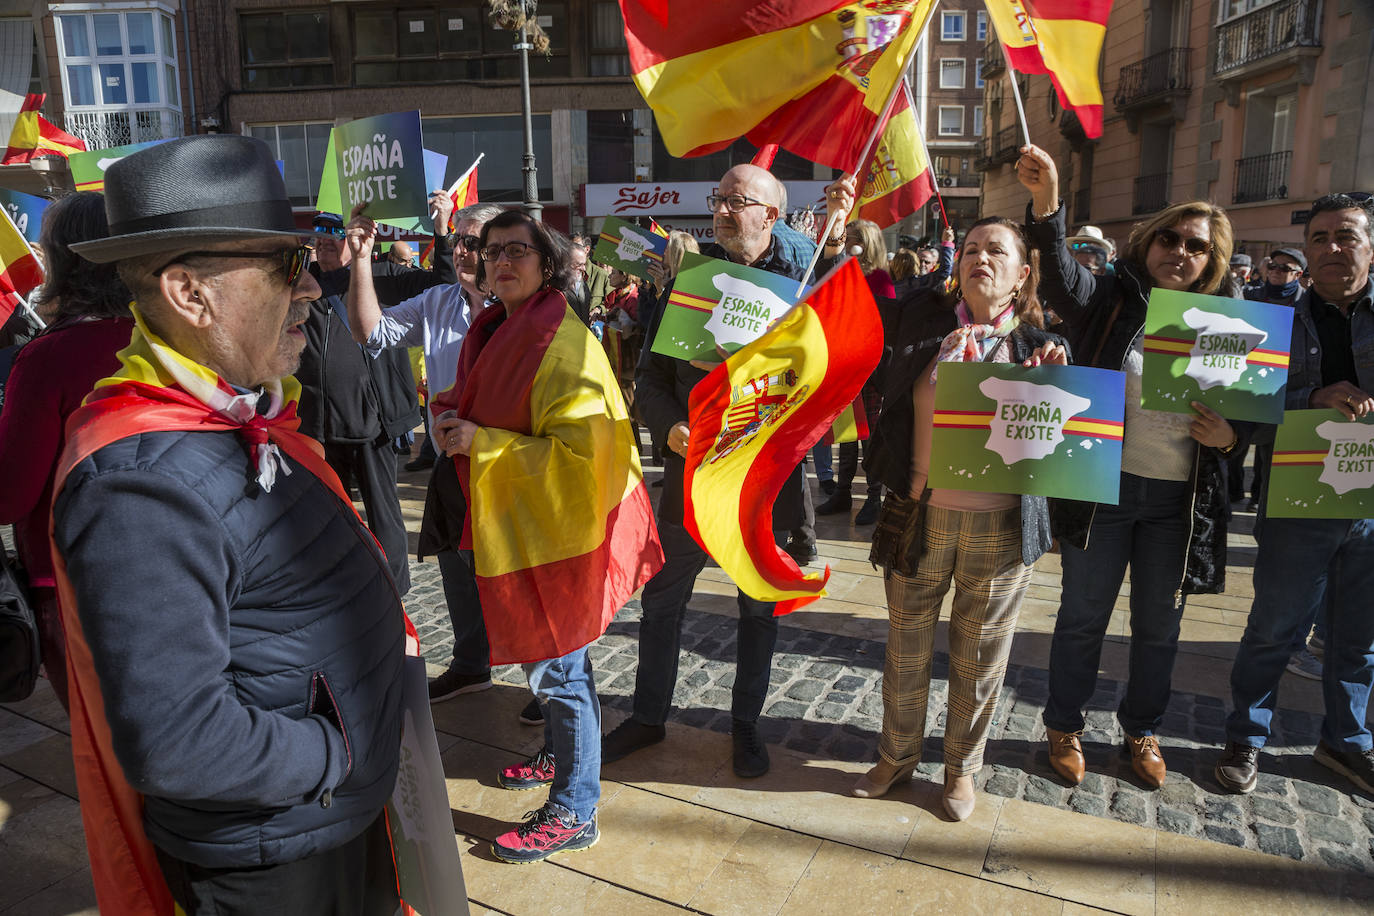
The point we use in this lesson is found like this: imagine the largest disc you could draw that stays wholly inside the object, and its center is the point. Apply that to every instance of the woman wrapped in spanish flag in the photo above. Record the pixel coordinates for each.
(557, 518)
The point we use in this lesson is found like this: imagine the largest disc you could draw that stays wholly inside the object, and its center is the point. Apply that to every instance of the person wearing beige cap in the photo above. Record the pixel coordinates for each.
(1092, 249)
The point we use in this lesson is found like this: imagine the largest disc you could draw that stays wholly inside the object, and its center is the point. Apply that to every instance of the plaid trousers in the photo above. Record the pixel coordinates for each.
(981, 553)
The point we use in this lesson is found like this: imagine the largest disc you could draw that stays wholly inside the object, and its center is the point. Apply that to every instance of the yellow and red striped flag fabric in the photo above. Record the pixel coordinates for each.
(464, 192)
(34, 135)
(810, 75)
(559, 521)
(20, 272)
(1062, 38)
(756, 416)
(899, 179)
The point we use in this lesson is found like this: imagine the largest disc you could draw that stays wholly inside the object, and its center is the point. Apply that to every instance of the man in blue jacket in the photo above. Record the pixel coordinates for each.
(239, 636)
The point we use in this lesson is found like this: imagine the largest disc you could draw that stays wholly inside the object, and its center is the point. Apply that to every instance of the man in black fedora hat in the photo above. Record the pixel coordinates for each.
(236, 635)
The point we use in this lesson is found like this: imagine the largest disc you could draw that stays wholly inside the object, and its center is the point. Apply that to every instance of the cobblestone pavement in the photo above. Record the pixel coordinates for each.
(825, 698)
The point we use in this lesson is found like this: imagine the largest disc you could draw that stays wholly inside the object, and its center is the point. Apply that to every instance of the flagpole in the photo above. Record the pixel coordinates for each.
(457, 182)
(33, 315)
(1016, 93)
(868, 146)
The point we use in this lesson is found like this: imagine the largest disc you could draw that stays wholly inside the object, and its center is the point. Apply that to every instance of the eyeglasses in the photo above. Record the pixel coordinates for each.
(291, 260)
(1285, 268)
(1192, 245)
(513, 250)
(733, 202)
(338, 231)
(470, 242)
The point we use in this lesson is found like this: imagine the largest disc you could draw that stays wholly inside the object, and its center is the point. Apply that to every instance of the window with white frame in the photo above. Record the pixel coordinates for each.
(119, 72)
(951, 73)
(982, 25)
(951, 120)
(978, 120)
(978, 73)
(301, 149)
(952, 26)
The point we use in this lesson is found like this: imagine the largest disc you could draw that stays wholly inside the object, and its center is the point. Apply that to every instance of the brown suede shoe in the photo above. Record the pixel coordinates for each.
(1146, 760)
(1066, 755)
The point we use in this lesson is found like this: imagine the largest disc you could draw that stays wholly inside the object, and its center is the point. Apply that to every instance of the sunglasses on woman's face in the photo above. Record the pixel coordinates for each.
(1192, 245)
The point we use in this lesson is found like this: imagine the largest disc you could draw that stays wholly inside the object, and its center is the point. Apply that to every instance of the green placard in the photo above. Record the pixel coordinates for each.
(1230, 354)
(716, 302)
(381, 162)
(1323, 467)
(629, 247)
(1051, 430)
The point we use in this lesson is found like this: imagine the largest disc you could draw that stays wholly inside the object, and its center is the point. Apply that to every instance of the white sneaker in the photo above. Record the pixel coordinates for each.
(1305, 664)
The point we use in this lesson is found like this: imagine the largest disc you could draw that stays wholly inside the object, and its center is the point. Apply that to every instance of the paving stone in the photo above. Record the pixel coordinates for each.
(824, 669)
(1343, 859)
(1093, 784)
(1274, 809)
(1088, 804)
(1175, 820)
(1220, 834)
(830, 712)
(1362, 802)
(717, 697)
(790, 662)
(1271, 784)
(872, 705)
(1278, 841)
(806, 690)
(1128, 808)
(1004, 784)
(1330, 829)
(1321, 799)
(1369, 820)
(696, 679)
(850, 683)
(843, 699)
(617, 662)
(785, 709)
(1224, 812)
(1178, 792)
(1041, 791)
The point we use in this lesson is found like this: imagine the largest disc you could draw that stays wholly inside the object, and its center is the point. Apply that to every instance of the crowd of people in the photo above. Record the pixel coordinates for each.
(227, 632)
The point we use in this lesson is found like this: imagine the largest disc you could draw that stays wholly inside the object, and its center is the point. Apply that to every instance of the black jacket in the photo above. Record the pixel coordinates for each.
(348, 397)
(1102, 316)
(924, 320)
(663, 384)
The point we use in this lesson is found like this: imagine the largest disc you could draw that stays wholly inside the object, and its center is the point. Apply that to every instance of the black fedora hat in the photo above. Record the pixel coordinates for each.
(189, 192)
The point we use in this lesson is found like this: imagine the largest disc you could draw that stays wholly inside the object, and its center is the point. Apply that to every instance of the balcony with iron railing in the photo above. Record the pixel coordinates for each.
(1151, 194)
(104, 128)
(1262, 177)
(993, 61)
(1270, 37)
(1154, 80)
(1006, 145)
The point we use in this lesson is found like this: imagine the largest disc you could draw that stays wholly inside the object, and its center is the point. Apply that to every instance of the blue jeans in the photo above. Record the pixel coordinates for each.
(824, 461)
(572, 729)
(471, 654)
(1306, 567)
(664, 600)
(1147, 530)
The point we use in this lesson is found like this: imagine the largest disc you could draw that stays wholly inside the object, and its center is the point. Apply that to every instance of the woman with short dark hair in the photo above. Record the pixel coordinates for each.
(556, 516)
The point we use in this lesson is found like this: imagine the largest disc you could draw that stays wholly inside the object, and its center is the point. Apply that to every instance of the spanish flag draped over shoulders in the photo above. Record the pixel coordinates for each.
(1062, 38)
(559, 521)
(810, 75)
(756, 416)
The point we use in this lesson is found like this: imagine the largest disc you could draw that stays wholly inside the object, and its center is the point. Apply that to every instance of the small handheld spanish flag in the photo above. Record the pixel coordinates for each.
(34, 135)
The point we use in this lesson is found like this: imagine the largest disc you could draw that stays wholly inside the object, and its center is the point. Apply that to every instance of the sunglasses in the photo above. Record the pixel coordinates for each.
(1193, 246)
(291, 260)
(1285, 268)
(338, 231)
(469, 242)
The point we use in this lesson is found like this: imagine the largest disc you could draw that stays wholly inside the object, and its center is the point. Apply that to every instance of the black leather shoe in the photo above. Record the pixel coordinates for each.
(839, 501)
(420, 464)
(627, 737)
(828, 487)
(868, 514)
(750, 756)
(801, 551)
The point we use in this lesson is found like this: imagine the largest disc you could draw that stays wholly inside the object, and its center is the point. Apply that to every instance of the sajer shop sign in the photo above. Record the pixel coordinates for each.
(679, 198)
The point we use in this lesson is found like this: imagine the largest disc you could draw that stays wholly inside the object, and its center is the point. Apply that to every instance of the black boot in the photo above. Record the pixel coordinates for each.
(838, 502)
(868, 513)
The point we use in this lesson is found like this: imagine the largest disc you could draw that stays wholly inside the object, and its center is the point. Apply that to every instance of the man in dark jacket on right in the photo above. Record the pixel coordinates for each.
(744, 209)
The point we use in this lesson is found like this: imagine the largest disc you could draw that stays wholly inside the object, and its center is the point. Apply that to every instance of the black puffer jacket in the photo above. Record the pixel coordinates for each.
(348, 397)
(1102, 316)
(924, 321)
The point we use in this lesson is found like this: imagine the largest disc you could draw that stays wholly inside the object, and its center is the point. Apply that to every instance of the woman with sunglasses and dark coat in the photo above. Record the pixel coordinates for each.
(1169, 525)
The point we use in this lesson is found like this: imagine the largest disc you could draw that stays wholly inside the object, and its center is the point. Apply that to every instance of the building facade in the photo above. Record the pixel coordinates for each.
(1260, 106)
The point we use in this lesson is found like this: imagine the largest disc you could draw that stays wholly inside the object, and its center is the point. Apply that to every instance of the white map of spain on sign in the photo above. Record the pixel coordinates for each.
(745, 310)
(1223, 344)
(1028, 422)
(1349, 462)
(632, 245)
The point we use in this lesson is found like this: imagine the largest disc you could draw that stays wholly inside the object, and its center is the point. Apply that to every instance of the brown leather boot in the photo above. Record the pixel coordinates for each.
(1146, 760)
(1066, 755)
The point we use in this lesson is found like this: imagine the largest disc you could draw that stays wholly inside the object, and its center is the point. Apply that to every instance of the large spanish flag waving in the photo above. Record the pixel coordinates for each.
(33, 135)
(899, 179)
(20, 273)
(810, 75)
(1062, 38)
(558, 520)
(755, 417)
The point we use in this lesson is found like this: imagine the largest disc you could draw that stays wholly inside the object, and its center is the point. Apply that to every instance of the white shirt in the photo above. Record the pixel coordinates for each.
(436, 320)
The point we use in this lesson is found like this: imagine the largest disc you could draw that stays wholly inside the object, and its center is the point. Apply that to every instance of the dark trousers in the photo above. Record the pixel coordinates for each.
(355, 879)
(471, 653)
(660, 635)
(373, 468)
(849, 467)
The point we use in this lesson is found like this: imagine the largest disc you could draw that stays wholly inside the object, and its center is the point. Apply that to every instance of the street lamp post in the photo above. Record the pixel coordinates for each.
(527, 168)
